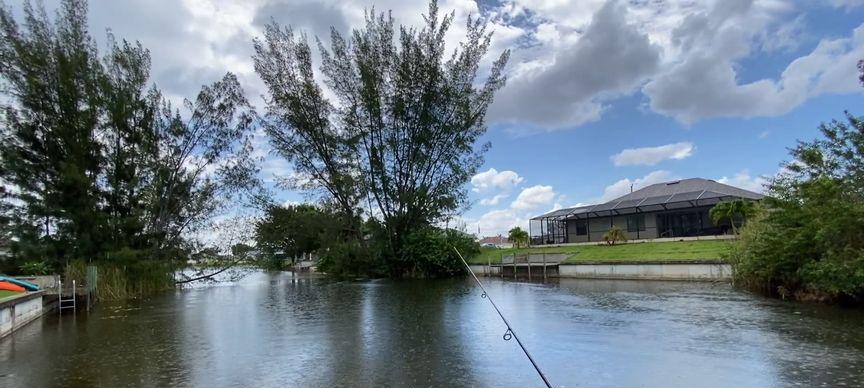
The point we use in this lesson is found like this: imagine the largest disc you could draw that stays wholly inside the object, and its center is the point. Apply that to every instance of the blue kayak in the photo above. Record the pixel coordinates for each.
(27, 285)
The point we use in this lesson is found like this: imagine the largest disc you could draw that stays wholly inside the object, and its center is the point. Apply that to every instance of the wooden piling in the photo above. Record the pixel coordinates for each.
(544, 266)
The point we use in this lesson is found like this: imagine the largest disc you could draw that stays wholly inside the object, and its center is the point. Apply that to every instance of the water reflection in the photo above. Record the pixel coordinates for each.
(278, 329)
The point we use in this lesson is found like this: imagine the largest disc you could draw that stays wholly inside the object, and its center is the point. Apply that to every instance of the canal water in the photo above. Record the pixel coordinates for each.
(277, 329)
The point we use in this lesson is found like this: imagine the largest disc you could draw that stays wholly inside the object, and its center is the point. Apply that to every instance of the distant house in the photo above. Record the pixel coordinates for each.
(498, 241)
(669, 209)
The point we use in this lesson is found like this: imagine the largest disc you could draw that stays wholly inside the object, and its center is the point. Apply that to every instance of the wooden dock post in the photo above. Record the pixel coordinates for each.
(528, 260)
(544, 266)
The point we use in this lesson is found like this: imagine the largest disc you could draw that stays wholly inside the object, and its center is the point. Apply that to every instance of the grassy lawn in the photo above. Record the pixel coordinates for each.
(652, 251)
(5, 294)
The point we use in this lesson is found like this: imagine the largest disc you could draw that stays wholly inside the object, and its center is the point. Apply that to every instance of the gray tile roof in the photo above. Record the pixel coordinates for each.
(688, 186)
(693, 191)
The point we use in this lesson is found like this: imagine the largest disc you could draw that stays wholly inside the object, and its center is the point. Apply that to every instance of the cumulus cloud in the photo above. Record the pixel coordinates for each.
(501, 221)
(611, 58)
(622, 187)
(492, 179)
(744, 180)
(848, 4)
(650, 156)
(570, 58)
(704, 81)
(534, 197)
(494, 200)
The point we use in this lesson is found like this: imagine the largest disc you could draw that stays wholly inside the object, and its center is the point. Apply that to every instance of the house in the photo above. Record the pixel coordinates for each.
(669, 209)
(498, 241)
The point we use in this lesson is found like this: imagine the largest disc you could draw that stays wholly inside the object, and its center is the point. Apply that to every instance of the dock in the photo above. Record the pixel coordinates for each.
(527, 265)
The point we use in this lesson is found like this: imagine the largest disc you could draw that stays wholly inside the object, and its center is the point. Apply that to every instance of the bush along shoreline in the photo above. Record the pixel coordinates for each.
(806, 240)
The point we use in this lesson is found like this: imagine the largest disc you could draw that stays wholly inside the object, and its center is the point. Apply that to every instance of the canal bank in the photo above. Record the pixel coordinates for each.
(17, 311)
(705, 270)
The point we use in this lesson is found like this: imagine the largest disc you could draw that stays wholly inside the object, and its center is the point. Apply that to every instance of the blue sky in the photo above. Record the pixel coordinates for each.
(676, 88)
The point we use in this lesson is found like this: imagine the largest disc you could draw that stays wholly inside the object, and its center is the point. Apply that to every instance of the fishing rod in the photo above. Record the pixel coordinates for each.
(509, 333)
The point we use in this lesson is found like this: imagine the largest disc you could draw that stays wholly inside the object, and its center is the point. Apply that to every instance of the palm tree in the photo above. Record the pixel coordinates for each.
(614, 235)
(730, 210)
(518, 237)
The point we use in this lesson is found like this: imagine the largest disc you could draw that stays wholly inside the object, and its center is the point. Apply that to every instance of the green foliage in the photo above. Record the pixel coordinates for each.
(430, 251)
(35, 268)
(241, 250)
(614, 235)
(808, 241)
(287, 232)
(518, 237)
(347, 259)
(733, 211)
(114, 282)
(103, 166)
(401, 132)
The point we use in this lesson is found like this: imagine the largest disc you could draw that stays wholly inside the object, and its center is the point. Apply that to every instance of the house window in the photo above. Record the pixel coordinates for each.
(581, 227)
(636, 223)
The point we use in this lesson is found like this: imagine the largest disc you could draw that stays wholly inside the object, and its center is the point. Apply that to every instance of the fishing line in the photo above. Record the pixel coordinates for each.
(509, 333)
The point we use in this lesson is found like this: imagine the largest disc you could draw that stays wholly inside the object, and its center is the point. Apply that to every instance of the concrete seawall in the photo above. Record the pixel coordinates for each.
(708, 270)
(19, 310)
(481, 270)
(655, 271)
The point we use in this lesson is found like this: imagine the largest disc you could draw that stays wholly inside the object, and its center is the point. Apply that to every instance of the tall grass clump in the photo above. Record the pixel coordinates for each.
(129, 281)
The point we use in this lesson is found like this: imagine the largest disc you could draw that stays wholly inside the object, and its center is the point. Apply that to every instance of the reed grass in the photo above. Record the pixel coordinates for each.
(130, 281)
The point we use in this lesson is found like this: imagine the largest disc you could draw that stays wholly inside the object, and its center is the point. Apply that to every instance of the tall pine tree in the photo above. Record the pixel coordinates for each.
(102, 166)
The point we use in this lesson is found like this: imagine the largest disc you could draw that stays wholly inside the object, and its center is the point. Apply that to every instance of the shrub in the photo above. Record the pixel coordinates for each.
(430, 250)
(614, 235)
(35, 268)
(344, 259)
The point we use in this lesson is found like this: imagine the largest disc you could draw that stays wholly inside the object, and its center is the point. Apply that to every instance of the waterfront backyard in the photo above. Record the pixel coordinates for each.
(634, 252)
(282, 329)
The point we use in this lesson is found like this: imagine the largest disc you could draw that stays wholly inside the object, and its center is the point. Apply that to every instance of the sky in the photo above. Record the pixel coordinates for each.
(601, 95)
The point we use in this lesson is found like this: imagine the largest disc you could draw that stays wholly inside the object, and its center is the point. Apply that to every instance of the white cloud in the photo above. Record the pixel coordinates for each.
(743, 180)
(622, 187)
(494, 200)
(534, 197)
(705, 82)
(501, 221)
(650, 156)
(848, 4)
(610, 59)
(569, 59)
(493, 180)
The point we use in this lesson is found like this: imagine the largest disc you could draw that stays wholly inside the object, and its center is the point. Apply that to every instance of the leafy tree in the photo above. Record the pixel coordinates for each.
(102, 165)
(287, 232)
(200, 164)
(518, 237)
(808, 242)
(241, 249)
(51, 76)
(431, 250)
(732, 211)
(614, 235)
(401, 132)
